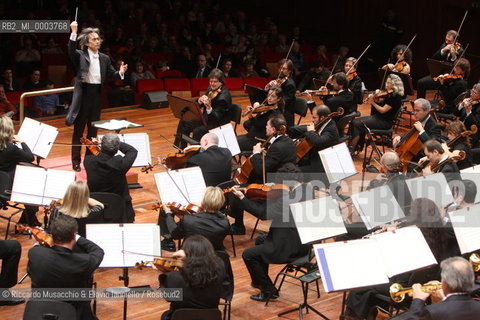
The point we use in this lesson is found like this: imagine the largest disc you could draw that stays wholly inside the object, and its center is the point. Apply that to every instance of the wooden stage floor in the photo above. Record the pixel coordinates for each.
(161, 122)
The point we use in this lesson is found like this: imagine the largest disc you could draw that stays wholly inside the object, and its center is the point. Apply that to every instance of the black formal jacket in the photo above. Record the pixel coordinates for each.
(355, 85)
(328, 137)
(472, 119)
(205, 73)
(468, 161)
(11, 156)
(438, 55)
(431, 131)
(289, 89)
(281, 151)
(255, 126)
(450, 170)
(59, 267)
(450, 90)
(344, 99)
(453, 308)
(216, 164)
(282, 244)
(213, 226)
(220, 114)
(106, 173)
(81, 61)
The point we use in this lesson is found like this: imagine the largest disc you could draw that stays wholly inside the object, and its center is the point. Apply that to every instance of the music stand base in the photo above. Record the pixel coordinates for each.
(300, 308)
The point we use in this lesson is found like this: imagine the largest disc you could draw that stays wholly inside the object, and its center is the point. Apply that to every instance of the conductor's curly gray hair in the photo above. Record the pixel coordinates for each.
(83, 36)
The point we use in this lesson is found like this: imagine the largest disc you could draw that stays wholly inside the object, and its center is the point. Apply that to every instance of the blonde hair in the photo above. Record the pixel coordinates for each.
(6, 132)
(75, 201)
(397, 84)
(213, 199)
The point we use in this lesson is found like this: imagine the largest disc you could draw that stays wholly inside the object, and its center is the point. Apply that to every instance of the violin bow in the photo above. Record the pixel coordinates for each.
(175, 183)
(408, 47)
(334, 66)
(173, 145)
(460, 28)
(218, 60)
(360, 57)
(461, 56)
(384, 75)
(288, 53)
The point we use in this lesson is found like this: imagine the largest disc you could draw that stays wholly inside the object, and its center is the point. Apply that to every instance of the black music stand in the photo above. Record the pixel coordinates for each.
(369, 140)
(255, 94)
(436, 67)
(186, 110)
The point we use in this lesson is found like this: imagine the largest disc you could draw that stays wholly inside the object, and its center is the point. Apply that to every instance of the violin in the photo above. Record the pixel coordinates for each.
(448, 77)
(350, 76)
(401, 65)
(40, 235)
(320, 92)
(156, 206)
(473, 130)
(456, 155)
(182, 210)
(378, 96)
(94, 147)
(162, 264)
(259, 109)
(179, 160)
(212, 94)
(258, 192)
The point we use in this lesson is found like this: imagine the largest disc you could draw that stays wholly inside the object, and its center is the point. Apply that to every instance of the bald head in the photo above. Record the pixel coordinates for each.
(391, 161)
(208, 140)
(457, 275)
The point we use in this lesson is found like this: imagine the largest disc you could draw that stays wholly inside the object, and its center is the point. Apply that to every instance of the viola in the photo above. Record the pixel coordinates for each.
(94, 147)
(382, 94)
(448, 77)
(162, 264)
(179, 160)
(258, 192)
(40, 235)
(259, 109)
(181, 210)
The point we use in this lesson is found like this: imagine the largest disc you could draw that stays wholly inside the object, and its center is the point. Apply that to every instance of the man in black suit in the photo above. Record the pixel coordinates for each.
(285, 69)
(10, 252)
(458, 280)
(448, 53)
(215, 162)
(345, 98)
(93, 68)
(282, 243)
(106, 172)
(215, 104)
(437, 156)
(470, 112)
(60, 267)
(201, 70)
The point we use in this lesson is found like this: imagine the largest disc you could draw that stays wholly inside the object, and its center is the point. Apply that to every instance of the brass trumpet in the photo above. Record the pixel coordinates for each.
(475, 261)
(398, 292)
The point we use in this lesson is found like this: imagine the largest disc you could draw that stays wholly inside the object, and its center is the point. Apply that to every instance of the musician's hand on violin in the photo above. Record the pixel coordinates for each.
(418, 125)
(427, 170)
(272, 83)
(180, 254)
(395, 141)
(418, 293)
(203, 99)
(238, 193)
(257, 148)
(467, 104)
(422, 160)
(311, 127)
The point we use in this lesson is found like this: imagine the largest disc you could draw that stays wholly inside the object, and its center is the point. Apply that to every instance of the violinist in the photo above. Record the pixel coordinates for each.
(385, 107)
(451, 86)
(282, 243)
(284, 81)
(255, 125)
(106, 172)
(436, 155)
(215, 104)
(345, 98)
(454, 130)
(200, 278)
(354, 81)
(403, 58)
(60, 267)
(10, 253)
(10, 157)
(215, 161)
(448, 52)
(210, 223)
(469, 109)
(78, 205)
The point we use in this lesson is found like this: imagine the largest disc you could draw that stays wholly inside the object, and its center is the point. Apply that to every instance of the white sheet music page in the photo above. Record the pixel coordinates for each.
(317, 219)
(29, 185)
(337, 162)
(433, 187)
(45, 141)
(117, 125)
(38, 136)
(335, 261)
(195, 183)
(404, 250)
(466, 223)
(57, 184)
(227, 138)
(108, 236)
(473, 173)
(141, 142)
(141, 242)
(189, 180)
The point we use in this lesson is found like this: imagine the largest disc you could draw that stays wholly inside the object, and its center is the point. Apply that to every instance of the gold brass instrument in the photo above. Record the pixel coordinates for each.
(475, 261)
(398, 292)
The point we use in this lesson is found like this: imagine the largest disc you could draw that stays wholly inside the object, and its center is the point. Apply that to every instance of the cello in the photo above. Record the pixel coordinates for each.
(304, 146)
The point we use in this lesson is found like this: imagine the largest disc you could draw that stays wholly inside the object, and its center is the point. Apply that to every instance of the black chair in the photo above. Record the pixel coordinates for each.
(40, 310)
(228, 285)
(114, 210)
(236, 115)
(226, 185)
(344, 121)
(4, 201)
(197, 314)
(301, 108)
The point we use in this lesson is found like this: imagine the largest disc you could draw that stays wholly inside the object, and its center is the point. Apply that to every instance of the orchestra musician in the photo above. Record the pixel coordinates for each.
(451, 88)
(384, 110)
(215, 103)
(210, 222)
(345, 98)
(10, 253)
(464, 195)
(285, 81)
(60, 267)
(437, 156)
(282, 243)
(454, 129)
(470, 112)
(10, 156)
(403, 58)
(77, 204)
(106, 172)
(215, 161)
(448, 52)
(93, 69)
(458, 280)
(354, 81)
(255, 125)
(200, 277)
(316, 72)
